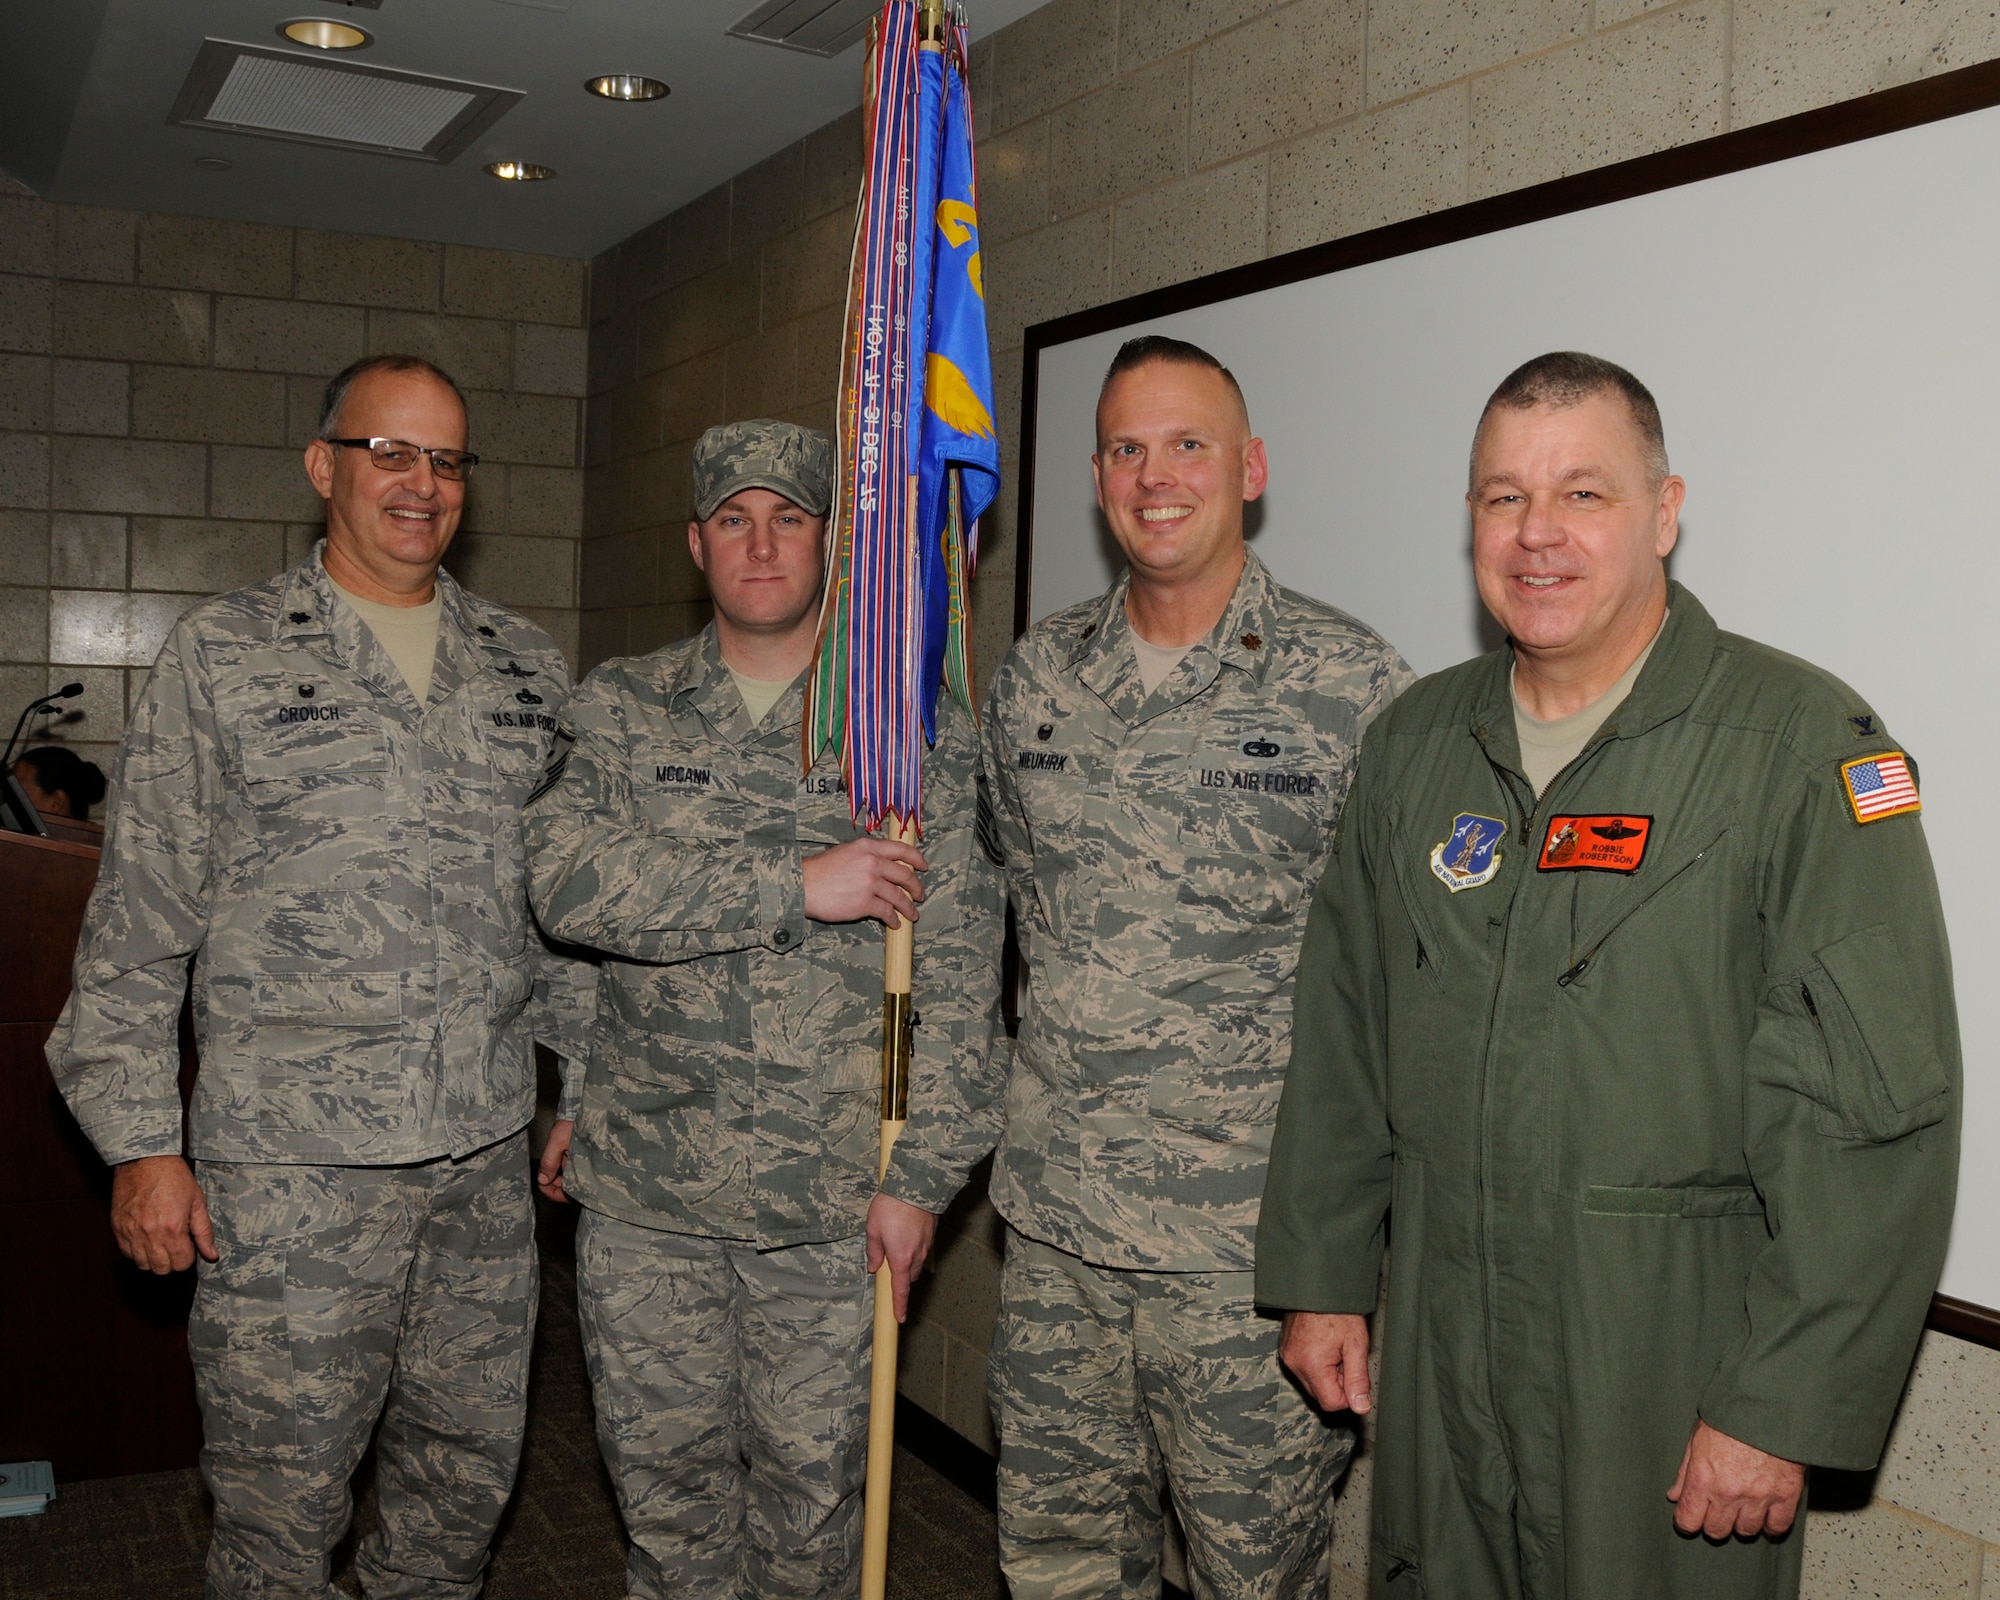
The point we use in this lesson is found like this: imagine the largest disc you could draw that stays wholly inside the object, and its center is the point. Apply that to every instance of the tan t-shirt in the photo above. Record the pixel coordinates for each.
(1548, 747)
(408, 633)
(1156, 660)
(760, 694)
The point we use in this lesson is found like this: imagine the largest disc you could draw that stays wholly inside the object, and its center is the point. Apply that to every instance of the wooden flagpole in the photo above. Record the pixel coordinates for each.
(898, 1019)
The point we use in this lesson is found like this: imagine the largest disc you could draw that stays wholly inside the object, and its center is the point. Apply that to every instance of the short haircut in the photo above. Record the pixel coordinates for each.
(1150, 347)
(60, 771)
(1564, 378)
(336, 391)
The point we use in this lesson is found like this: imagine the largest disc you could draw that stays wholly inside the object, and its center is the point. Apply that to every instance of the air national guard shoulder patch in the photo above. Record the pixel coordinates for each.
(1471, 855)
(1880, 786)
(1595, 844)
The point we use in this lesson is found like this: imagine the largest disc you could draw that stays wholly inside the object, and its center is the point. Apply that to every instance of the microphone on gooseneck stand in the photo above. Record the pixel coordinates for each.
(68, 691)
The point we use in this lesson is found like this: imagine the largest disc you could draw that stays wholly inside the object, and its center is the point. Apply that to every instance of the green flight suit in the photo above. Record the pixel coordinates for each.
(1662, 1099)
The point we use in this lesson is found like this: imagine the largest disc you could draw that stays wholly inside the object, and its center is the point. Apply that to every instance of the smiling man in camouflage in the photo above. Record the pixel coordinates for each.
(1166, 765)
(319, 809)
(725, 1152)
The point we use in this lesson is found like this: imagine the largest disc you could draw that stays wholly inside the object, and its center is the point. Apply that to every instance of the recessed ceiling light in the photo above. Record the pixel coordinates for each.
(317, 33)
(213, 163)
(627, 86)
(520, 171)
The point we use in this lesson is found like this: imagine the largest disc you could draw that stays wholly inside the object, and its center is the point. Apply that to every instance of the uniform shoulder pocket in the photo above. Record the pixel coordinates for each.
(1885, 1074)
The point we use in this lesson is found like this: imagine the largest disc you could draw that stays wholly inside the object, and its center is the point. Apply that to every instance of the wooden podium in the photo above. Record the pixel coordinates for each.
(94, 1371)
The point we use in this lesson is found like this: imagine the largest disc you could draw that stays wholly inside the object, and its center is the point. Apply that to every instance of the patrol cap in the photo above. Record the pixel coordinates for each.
(783, 457)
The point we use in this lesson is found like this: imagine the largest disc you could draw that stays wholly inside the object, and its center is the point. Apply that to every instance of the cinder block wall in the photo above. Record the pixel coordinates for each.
(1134, 144)
(159, 376)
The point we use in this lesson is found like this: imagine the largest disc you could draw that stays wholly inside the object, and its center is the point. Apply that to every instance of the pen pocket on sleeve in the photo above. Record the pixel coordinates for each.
(1884, 1077)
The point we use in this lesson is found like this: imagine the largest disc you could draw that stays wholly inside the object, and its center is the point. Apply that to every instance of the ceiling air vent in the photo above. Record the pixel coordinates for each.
(247, 88)
(819, 27)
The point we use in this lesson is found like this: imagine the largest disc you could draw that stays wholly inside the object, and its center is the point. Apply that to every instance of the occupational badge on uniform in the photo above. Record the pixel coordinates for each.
(1471, 855)
(1595, 844)
(1880, 786)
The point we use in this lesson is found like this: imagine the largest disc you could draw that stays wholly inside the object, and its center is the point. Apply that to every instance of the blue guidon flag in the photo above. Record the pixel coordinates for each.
(1470, 854)
(958, 450)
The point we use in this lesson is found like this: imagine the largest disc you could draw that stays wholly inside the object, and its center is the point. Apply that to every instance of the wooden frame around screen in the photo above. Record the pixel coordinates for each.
(1950, 94)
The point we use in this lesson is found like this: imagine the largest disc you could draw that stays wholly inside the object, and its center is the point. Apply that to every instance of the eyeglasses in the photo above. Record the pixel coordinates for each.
(398, 455)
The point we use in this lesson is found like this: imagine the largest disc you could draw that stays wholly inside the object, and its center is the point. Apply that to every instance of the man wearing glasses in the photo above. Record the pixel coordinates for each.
(318, 806)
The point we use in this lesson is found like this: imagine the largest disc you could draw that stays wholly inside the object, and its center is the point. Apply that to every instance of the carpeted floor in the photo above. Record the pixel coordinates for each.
(145, 1538)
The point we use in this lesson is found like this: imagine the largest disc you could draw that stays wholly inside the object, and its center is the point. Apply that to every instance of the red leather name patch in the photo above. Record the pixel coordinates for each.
(1595, 844)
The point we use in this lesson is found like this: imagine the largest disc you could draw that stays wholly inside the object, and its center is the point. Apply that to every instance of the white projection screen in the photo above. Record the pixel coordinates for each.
(1816, 304)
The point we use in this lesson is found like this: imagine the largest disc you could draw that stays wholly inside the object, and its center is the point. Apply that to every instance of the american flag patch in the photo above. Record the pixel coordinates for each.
(1880, 786)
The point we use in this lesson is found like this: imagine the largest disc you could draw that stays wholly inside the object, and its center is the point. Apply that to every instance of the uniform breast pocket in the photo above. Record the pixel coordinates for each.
(320, 794)
(824, 816)
(1051, 794)
(518, 749)
(1052, 797)
(1252, 839)
(1240, 913)
(1235, 814)
(348, 750)
(1259, 782)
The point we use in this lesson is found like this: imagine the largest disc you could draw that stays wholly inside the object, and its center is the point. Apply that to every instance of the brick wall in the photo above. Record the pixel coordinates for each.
(1134, 144)
(159, 376)
(728, 308)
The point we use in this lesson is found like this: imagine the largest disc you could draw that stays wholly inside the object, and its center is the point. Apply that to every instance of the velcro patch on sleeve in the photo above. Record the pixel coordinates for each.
(987, 824)
(1880, 786)
(1595, 844)
(558, 764)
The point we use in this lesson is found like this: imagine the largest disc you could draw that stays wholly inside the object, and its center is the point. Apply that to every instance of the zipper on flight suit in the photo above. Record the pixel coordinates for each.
(1819, 1033)
(1511, 784)
(1577, 969)
(1531, 813)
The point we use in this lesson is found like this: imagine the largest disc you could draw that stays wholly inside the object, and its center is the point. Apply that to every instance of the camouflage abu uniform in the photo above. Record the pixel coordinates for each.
(345, 871)
(726, 1146)
(1161, 853)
